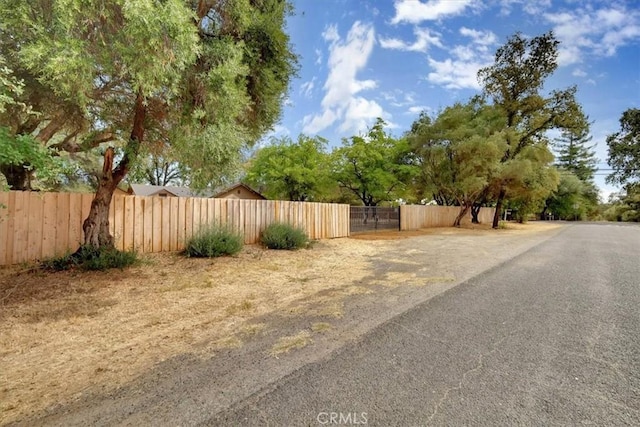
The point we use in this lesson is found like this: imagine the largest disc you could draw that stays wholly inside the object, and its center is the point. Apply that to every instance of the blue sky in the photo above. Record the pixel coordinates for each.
(392, 59)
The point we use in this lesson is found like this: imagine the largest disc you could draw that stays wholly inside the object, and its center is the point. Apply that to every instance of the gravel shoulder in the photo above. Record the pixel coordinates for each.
(177, 340)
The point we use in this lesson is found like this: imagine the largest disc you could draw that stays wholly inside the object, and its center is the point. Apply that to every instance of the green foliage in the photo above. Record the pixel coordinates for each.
(626, 207)
(291, 170)
(375, 167)
(284, 236)
(212, 76)
(24, 152)
(214, 241)
(89, 258)
(459, 151)
(514, 82)
(10, 86)
(574, 153)
(574, 199)
(624, 149)
(529, 179)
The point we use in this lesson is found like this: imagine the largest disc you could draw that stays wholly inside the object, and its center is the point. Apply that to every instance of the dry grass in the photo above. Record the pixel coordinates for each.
(286, 344)
(66, 334)
(62, 334)
(321, 327)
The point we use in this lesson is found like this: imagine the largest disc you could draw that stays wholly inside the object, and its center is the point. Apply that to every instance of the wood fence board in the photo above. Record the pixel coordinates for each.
(173, 223)
(188, 219)
(138, 223)
(165, 224)
(62, 219)
(128, 229)
(204, 213)
(182, 210)
(5, 259)
(20, 245)
(75, 222)
(147, 213)
(35, 215)
(49, 224)
(117, 212)
(156, 239)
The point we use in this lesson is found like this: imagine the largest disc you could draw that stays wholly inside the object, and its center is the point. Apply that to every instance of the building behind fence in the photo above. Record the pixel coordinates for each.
(36, 225)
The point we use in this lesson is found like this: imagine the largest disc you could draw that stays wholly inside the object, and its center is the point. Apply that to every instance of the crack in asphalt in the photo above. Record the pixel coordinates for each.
(477, 367)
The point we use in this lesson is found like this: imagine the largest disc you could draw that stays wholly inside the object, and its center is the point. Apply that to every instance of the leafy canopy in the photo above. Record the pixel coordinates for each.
(624, 149)
(375, 167)
(291, 170)
(211, 75)
(459, 151)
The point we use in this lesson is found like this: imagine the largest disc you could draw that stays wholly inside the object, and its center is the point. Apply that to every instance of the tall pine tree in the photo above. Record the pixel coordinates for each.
(575, 153)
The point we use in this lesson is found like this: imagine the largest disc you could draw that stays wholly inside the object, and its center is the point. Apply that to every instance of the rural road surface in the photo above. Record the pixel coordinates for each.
(546, 335)
(548, 338)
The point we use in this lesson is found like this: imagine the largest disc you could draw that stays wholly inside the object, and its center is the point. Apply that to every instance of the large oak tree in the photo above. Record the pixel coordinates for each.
(207, 76)
(515, 82)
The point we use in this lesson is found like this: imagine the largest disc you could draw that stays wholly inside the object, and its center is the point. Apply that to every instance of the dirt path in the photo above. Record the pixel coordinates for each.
(70, 340)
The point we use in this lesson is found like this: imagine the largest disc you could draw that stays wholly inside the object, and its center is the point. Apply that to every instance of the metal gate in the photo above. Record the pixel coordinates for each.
(372, 218)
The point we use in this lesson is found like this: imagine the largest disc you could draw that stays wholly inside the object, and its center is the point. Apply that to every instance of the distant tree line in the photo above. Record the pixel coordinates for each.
(90, 121)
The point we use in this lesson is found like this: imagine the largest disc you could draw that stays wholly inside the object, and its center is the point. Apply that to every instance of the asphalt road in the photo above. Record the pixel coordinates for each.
(551, 337)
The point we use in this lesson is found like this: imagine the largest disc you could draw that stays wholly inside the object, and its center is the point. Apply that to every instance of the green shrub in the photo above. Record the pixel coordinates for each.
(284, 236)
(214, 241)
(90, 258)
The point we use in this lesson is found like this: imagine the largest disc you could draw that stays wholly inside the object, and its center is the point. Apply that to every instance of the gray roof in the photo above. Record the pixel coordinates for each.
(150, 190)
(221, 191)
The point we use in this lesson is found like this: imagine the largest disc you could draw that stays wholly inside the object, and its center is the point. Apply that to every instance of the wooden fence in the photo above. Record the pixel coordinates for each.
(414, 217)
(40, 225)
(37, 225)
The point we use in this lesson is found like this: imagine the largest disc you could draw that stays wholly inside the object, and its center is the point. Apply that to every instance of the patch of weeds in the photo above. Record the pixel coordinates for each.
(237, 308)
(228, 343)
(502, 225)
(321, 327)
(90, 258)
(252, 329)
(284, 236)
(286, 344)
(214, 241)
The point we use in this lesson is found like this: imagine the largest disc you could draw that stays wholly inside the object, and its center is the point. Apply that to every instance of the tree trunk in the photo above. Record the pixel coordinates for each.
(96, 226)
(496, 216)
(475, 211)
(543, 214)
(18, 177)
(463, 211)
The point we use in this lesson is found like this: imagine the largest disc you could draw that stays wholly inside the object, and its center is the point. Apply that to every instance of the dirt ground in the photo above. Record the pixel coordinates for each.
(66, 334)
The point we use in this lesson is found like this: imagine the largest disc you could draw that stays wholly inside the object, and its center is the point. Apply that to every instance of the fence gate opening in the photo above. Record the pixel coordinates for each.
(372, 218)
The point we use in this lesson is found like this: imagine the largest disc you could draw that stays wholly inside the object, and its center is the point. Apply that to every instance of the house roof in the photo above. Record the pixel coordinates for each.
(235, 186)
(152, 190)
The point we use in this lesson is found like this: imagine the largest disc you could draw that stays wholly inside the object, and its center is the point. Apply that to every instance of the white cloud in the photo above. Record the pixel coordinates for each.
(306, 88)
(534, 7)
(318, 57)
(341, 102)
(399, 98)
(417, 109)
(461, 70)
(481, 38)
(584, 32)
(424, 40)
(578, 72)
(330, 33)
(414, 11)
